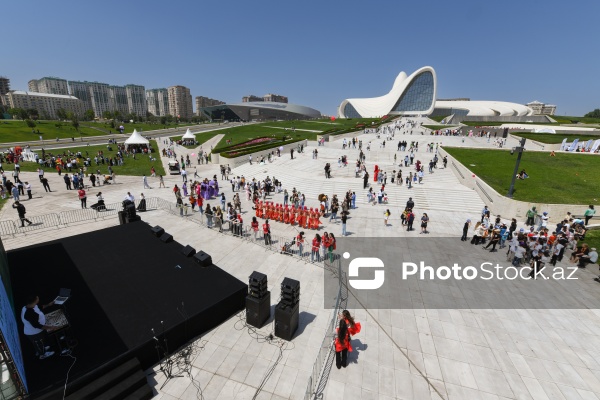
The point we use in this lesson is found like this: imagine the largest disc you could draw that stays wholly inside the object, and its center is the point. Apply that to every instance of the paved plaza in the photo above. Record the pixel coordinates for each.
(400, 354)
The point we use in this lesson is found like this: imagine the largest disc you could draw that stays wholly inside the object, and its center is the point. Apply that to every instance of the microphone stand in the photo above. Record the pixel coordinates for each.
(165, 360)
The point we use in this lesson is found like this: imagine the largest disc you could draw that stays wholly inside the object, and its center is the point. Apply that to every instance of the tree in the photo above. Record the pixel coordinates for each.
(163, 120)
(30, 123)
(593, 114)
(89, 115)
(32, 113)
(75, 124)
(170, 118)
(107, 115)
(61, 114)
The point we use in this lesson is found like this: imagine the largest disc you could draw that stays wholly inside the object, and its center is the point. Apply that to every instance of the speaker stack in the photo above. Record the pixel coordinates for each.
(157, 231)
(287, 310)
(188, 251)
(258, 300)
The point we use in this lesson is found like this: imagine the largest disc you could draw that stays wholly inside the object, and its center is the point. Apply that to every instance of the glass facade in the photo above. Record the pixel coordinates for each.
(418, 96)
(350, 111)
(444, 112)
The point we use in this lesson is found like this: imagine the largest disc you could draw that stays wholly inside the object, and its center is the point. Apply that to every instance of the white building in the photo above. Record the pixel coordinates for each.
(45, 104)
(416, 95)
(540, 108)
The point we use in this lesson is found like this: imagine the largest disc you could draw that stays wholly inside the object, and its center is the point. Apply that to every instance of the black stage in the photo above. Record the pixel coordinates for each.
(124, 282)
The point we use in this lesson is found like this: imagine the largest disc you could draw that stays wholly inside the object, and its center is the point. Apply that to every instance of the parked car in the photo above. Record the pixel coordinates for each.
(174, 168)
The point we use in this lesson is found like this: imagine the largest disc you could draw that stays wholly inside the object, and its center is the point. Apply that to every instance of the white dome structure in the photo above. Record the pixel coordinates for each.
(416, 95)
(410, 95)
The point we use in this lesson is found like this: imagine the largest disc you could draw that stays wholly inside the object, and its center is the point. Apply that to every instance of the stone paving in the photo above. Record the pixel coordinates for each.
(400, 354)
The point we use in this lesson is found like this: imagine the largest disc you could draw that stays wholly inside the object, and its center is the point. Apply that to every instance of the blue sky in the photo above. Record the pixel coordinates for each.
(315, 52)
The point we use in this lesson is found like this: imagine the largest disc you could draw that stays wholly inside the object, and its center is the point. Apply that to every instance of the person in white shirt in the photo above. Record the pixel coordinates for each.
(519, 253)
(590, 258)
(130, 197)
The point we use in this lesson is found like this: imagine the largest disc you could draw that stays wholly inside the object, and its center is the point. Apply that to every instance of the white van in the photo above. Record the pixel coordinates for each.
(174, 168)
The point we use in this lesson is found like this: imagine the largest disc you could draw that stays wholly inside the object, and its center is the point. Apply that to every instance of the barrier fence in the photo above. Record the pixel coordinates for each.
(276, 243)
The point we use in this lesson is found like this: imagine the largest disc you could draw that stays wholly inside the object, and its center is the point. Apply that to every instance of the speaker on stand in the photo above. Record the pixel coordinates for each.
(287, 311)
(258, 300)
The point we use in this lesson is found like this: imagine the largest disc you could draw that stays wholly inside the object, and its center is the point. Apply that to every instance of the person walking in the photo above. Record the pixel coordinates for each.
(589, 213)
(386, 217)
(21, 211)
(145, 181)
(28, 189)
(530, 216)
(82, 197)
(424, 221)
(410, 218)
(161, 182)
(44, 181)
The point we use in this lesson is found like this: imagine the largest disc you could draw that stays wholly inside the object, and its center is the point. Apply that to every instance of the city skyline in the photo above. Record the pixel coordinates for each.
(322, 54)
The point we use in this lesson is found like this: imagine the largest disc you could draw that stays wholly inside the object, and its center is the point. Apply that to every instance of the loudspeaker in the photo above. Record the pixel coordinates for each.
(258, 310)
(203, 259)
(257, 284)
(188, 251)
(290, 292)
(122, 217)
(157, 231)
(286, 320)
(167, 238)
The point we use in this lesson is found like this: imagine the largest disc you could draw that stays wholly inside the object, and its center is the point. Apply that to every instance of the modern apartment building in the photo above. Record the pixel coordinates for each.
(202, 101)
(275, 98)
(251, 98)
(540, 108)
(49, 85)
(136, 99)
(118, 100)
(4, 85)
(81, 90)
(158, 102)
(45, 104)
(180, 102)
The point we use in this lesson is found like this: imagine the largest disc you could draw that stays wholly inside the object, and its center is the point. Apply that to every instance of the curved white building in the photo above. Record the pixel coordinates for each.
(416, 95)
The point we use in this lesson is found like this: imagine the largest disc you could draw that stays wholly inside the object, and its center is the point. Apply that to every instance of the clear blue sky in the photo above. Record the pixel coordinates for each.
(315, 52)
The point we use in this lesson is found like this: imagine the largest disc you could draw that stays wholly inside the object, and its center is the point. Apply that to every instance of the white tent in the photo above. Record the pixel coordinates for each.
(188, 135)
(136, 138)
(544, 130)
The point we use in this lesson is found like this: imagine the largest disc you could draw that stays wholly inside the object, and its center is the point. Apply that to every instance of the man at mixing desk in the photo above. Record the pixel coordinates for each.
(35, 327)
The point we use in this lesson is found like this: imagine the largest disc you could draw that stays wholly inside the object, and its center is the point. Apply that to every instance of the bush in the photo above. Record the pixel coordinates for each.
(253, 149)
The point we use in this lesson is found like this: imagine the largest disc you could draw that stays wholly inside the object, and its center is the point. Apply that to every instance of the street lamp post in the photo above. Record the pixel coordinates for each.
(519, 150)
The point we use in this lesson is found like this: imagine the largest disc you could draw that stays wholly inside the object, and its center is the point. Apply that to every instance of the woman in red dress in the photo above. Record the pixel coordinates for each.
(375, 173)
(286, 215)
(342, 345)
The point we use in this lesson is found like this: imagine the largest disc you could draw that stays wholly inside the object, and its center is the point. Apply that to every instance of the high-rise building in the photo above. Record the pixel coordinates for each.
(49, 85)
(251, 98)
(99, 96)
(540, 108)
(118, 100)
(81, 90)
(180, 102)
(45, 104)
(136, 100)
(275, 98)
(158, 101)
(4, 85)
(202, 101)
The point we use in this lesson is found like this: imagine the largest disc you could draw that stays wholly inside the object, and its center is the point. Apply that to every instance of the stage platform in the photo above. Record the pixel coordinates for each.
(124, 282)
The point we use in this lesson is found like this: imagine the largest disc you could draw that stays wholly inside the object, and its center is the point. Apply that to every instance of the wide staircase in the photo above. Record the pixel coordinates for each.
(440, 190)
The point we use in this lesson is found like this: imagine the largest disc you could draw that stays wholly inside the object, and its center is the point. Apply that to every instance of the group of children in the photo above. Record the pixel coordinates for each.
(305, 218)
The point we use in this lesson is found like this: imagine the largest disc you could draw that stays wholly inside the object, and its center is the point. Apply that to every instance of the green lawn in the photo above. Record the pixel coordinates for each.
(240, 134)
(129, 127)
(18, 131)
(138, 167)
(551, 138)
(438, 127)
(564, 179)
(563, 119)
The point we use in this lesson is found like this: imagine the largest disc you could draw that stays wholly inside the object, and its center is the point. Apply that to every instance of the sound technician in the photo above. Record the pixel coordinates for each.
(35, 328)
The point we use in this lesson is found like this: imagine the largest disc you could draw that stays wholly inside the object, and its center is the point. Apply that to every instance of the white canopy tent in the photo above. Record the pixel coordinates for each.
(188, 135)
(136, 138)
